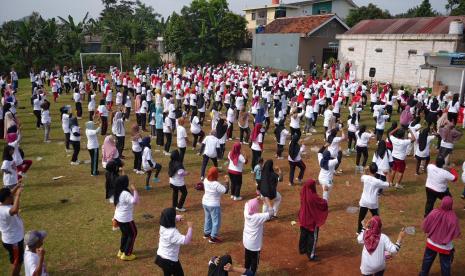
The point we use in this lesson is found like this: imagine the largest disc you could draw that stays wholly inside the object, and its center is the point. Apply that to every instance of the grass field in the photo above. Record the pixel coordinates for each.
(78, 219)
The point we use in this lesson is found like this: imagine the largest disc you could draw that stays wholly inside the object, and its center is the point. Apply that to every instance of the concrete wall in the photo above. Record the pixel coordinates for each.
(341, 8)
(244, 55)
(394, 63)
(280, 51)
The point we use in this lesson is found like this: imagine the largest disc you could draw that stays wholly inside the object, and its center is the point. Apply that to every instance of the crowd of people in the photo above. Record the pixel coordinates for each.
(200, 107)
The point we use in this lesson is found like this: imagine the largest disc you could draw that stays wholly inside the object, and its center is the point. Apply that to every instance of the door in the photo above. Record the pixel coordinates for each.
(329, 53)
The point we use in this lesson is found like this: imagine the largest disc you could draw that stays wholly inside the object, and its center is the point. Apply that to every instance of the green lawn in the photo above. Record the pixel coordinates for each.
(81, 241)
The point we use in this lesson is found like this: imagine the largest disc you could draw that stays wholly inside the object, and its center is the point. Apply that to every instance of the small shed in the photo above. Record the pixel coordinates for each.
(292, 41)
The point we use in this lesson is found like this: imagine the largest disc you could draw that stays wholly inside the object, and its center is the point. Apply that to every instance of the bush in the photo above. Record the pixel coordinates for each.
(147, 57)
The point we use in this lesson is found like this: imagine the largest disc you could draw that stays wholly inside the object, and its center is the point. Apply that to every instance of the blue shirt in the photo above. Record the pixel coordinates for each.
(258, 172)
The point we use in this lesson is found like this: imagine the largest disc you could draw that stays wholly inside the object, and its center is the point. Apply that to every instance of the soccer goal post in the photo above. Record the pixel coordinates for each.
(81, 55)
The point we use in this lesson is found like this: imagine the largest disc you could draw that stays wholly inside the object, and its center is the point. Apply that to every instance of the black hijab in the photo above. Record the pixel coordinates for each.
(121, 184)
(112, 172)
(175, 163)
(168, 218)
(221, 128)
(269, 180)
(294, 147)
(423, 139)
(218, 269)
(381, 151)
(278, 130)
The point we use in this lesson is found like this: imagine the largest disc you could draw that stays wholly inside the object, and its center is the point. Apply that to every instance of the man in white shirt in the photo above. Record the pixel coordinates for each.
(181, 138)
(210, 149)
(437, 183)
(34, 256)
(11, 227)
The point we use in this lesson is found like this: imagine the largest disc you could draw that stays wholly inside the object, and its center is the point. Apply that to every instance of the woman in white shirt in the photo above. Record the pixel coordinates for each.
(422, 148)
(65, 125)
(295, 122)
(144, 107)
(252, 237)
(211, 202)
(295, 159)
(170, 242)
(124, 201)
(196, 128)
(136, 139)
(91, 106)
(103, 112)
(369, 198)
(46, 120)
(375, 247)
(119, 131)
(210, 149)
(352, 127)
(453, 109)
(181, 138)
(281, 134)
(257, 138)
(167, 131)
(327, 169)
(363, 139)
(148, 164)
(92, 146)
(75, 139)
(235, 168)
(177, 173)
(383, 159)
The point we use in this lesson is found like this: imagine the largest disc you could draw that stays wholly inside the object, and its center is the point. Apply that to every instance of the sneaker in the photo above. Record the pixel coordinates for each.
(290, 184)
(131, 257)
(47, 141)
(74, 163)
(280, 158)
(156, 180)
(202, 178)
(462, 196)
(140, 172)
(214, 240)
(134, 170)
(237, 198)
(232, 197)
(166, 153)
(180, 209)
(148, 188)
(206, 236)
(119, 254)
(398, 186)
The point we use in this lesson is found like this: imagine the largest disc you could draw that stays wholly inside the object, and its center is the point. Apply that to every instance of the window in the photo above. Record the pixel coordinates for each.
(323, 11)
(254, 15)
(412, 52)
(378, 50)
(351, 49)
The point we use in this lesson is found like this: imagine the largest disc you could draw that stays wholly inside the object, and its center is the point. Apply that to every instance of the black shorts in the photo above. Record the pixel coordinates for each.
(16, 252)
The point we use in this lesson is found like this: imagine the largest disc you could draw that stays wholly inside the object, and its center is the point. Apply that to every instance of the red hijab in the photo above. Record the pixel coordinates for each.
(373, 234)
(313, 209)
(442, 224)
(235, 153)
(256, 131)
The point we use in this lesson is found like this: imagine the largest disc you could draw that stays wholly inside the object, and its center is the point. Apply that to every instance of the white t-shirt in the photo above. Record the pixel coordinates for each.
(136, 145)
(102, 110)
(334, 147)
(11, 227)
(256, 143)
(327, 117)
(213, 192)
(252, 237)
(399, 147)
(383, 163)
(240, 164)
(167, 125)
(46, 119)
(211, 144)
(10, 178)
(65, 123)
(426, 151)
(146, 156)
(381, 122)
(72, 137)
(195, 125)
(375, 262)
(362, 140)
(371, 185)
(169, 243)
(437, 178)
(283, 137)
(31, 262)
(125, 207)
(325, 177)
(92, 140)
(181, 136)
(178, 178)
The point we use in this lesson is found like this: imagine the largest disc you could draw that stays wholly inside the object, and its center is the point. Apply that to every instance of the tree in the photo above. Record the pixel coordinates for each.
(422, 10)
(366, 12)
(456, 7)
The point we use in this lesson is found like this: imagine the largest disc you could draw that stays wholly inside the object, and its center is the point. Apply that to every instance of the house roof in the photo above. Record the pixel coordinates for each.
(418, 25)
(302, 24)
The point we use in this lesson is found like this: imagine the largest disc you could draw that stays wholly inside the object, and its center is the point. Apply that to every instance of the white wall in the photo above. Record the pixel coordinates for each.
(280, 51)
(341, 8)
(393, 64)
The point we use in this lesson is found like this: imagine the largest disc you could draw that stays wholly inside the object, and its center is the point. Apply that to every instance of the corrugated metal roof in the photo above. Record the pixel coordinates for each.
(418, 25)
(302, 24)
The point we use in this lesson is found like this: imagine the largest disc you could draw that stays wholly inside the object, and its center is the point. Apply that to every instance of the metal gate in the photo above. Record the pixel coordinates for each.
(329, 53)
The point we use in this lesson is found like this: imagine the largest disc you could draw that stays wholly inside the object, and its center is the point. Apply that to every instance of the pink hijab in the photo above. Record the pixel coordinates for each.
(235, 153)
(442, 224)
(252, 206)
(108, 149)
(373, 234)
(137, 103)
(406, 116)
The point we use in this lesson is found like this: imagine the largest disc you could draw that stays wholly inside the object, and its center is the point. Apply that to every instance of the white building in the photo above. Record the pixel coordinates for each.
(396, 47)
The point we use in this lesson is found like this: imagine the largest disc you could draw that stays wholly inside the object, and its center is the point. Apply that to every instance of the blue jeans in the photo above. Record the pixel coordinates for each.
(212, 220)
(428, 259)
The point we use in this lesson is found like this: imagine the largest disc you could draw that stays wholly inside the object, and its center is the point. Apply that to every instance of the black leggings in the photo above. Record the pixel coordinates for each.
(157, 169)
(128, 236)
(361, 216)
(205, 163)
(279, 150)
(431, 197)
(361, 151)
(93, 161)
(168, 142)
(78, 109)
(169, 267)
(137, 160)
(76, 149)
(352, 139)
(104, 128)
(38, 118)
(182, 152)
(67, 135)
(159, 137)
(176, 189)
(236, 184)
(241, 134)
(419, 159)
(198, 138)
(307, 242)
(252, 258)
(120, 145)
(256, 154)
(292, 166)
(143, 121)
